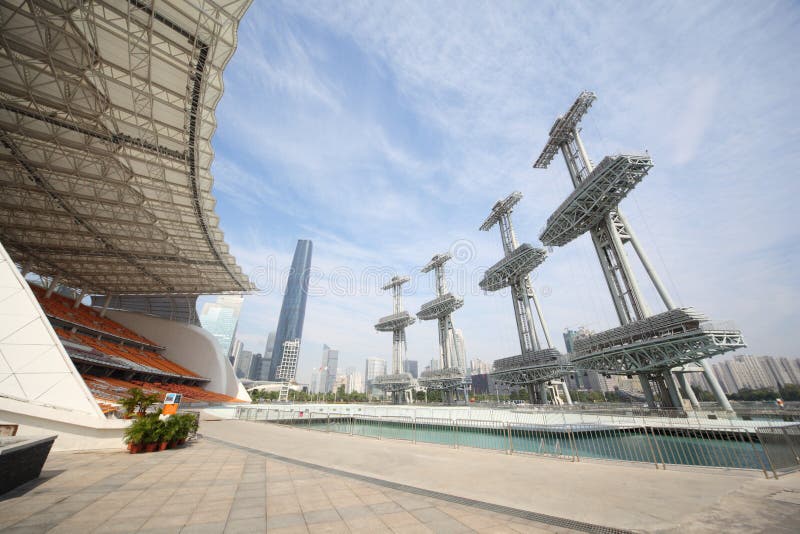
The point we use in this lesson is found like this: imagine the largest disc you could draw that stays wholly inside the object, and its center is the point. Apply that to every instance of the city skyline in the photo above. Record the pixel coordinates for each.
(371, 113)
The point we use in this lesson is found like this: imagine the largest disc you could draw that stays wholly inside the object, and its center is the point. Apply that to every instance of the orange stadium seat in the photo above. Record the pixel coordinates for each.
(62, 307)
(108, 389)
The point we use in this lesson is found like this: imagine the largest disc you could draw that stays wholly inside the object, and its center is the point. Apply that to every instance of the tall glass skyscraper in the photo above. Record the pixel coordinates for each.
(220, 319)
(293, 309)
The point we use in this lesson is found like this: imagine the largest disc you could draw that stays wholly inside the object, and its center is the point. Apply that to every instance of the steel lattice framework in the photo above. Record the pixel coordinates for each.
(645, 344)
(398, 380)
(536, 364)
(452, 372)
(534, 368)
(595, 197)
(106, 112)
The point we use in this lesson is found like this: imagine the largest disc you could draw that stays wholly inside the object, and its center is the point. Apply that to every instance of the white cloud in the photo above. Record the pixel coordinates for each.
(385, 131)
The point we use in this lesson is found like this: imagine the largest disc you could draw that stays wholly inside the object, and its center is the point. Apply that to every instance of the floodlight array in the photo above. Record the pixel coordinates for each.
(595, 197)
(511, 268)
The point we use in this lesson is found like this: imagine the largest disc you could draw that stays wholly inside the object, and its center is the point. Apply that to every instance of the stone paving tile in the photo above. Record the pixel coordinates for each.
(428, 515)
(332, 527)
(321, 516)
(206, 488)
(245, 526)
(367, 524)
(355, 511)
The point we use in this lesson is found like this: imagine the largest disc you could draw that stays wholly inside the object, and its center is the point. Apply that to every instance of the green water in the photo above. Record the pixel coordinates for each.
(637, 445)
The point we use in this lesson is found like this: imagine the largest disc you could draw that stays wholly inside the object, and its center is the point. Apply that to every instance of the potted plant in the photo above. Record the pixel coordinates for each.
(152, 433)
(138, 399)
(135, 434)
(172, 430)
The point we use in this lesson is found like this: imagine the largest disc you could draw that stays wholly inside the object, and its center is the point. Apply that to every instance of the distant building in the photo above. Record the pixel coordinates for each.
(460, 349)
(755, 372)
(287, 370)
(328, 369)
(588, 380)
(242, 368)
(254, 373)
(479, 367)
(268, 354)
(293, 308)
(235, 351)
(744, 372)
(220, 319)
(375, 367)
(412, 367)
(355, 381)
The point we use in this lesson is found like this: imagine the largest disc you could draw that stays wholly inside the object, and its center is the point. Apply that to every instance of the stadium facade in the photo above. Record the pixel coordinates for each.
(107, 225)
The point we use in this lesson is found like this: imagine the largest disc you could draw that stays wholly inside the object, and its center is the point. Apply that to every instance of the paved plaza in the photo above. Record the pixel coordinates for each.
(251, 477)
(209, 488)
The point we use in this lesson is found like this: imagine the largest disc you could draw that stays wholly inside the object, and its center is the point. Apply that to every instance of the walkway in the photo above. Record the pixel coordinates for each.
(623, 496)
(251, 477)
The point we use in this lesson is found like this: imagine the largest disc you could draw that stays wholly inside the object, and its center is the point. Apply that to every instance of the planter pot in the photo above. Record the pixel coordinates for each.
(150, 447)
(181, 441)
(172, 444)
(163, 446)
(135, 448)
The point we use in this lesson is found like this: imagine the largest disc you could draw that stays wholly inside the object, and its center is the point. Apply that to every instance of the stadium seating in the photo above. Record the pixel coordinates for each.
(114, 344)
(111, 390)
(61, 307)
(143, 357)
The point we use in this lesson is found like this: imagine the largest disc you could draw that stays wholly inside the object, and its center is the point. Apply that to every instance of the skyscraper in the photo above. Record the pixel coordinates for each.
(243, 363)
(268, 354)
(375, 367)
(293, 309)
(220, 318)
(412, 367)
(328, 369)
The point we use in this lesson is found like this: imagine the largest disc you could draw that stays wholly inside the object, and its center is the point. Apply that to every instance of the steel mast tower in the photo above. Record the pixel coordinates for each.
(451, 375)
(646, 345)
(398, 383)
(539, 363)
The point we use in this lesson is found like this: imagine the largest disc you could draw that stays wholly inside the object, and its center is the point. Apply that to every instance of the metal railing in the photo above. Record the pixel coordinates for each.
(770, 449)
(781, 446)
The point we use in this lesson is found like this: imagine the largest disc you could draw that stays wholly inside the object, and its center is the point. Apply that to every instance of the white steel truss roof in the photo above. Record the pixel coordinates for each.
(106, 115)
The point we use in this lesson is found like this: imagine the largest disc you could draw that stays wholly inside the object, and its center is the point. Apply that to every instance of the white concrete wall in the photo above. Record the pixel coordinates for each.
(189, 346)
(76, 431)
(34, 367)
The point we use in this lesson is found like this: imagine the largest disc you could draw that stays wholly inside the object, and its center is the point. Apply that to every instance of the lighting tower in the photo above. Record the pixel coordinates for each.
(646, 345)
(537, 364)
(451, 375)
(398, 381)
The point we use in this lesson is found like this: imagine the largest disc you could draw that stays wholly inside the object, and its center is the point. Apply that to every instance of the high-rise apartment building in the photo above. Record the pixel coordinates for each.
(742, 372)
(479, 367)
(220, 319)
(293, 308)
(411, 367)
(287, 370)
(354, 381)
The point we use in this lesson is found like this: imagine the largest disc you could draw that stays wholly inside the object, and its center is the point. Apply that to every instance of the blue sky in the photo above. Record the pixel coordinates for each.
(385, 131)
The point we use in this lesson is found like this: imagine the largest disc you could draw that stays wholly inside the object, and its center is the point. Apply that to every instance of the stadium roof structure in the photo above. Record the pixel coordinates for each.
(106, 116)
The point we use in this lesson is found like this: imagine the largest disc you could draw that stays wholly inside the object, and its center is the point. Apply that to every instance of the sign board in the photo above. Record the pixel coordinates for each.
(171, 403)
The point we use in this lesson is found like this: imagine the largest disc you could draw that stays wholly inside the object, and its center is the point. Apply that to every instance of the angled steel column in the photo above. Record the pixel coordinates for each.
(687, 388)
(648, 391)
(716, 388)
